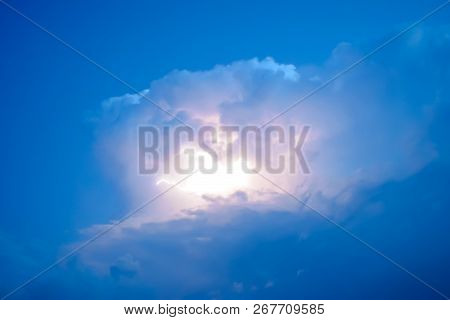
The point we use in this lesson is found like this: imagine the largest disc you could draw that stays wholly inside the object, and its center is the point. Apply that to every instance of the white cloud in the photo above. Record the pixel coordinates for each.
(358, 136)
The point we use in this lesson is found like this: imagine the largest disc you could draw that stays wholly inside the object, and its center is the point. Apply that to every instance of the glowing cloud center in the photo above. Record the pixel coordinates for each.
(219, 183)
(223, 181)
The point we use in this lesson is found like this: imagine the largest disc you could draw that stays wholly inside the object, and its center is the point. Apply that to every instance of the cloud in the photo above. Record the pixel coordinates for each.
(375, 131)
(367, 127)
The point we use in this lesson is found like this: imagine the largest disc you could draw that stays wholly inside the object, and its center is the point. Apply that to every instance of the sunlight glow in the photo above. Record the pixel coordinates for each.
(219, 183)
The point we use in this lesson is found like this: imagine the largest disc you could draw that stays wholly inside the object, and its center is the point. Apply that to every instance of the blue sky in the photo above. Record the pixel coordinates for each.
(60, 180)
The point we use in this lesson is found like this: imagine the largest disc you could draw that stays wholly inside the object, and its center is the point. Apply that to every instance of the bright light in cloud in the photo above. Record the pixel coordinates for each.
(222, 182)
